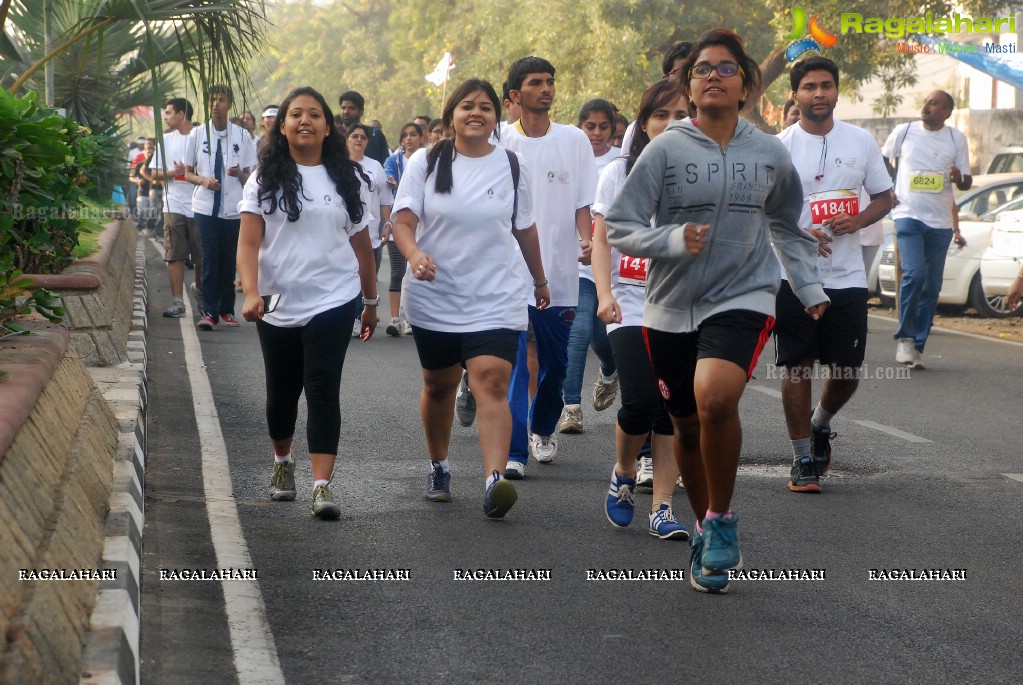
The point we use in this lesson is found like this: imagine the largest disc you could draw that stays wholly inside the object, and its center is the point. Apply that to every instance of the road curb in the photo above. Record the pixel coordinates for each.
(111, 652)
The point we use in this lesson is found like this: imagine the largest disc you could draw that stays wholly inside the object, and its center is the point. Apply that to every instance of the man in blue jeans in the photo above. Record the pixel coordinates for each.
(218, 161)
(931, 157)
(563, 177)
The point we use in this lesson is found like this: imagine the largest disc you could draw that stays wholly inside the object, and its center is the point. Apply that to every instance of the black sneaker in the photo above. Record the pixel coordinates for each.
(804, 476)
(820, 448)
(499, 497)
(438, 484)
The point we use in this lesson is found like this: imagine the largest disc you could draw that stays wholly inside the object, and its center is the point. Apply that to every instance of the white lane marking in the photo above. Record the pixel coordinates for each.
(252, 642)
(867, 424)
(909, 437)
(1014, 476)
(767, 391)
(953, 331)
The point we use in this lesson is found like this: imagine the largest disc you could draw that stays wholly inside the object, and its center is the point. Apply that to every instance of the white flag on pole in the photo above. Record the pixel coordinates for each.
(440, 74)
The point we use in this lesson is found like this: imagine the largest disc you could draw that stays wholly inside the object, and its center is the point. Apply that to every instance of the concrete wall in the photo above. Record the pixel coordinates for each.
(55, 483)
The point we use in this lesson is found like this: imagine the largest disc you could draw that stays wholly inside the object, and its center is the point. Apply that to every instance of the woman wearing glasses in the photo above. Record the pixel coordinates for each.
(381, 197)
(720, 192)
(458, 216)
(303, 247)
(411, 140)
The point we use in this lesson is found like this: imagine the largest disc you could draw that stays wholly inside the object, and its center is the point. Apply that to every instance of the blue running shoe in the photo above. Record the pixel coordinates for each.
(716, 583)
(499, 497)
(721, 545)
(438, 484)
(619, 505)
(664, 525)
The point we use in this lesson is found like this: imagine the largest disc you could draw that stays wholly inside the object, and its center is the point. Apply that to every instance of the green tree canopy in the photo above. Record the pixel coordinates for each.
(601, 48)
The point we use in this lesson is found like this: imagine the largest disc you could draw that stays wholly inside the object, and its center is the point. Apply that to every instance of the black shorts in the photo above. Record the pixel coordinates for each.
(839, 337)
(440, 350)
(737, 336)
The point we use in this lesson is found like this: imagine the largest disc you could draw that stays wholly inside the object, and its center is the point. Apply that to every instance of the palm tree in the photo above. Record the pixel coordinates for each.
(111, 55)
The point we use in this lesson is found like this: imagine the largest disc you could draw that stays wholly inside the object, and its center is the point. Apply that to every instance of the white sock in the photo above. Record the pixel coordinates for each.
(443, 464)
(283, 460)
(821, 417)
(318, 482)
(492, 478)
(800, 449)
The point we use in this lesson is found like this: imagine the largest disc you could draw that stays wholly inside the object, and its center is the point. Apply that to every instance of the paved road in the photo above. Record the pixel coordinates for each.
(918, 485)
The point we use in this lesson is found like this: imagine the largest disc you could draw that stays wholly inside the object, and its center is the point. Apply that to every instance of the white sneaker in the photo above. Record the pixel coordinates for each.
(405, 327)
(918, 360)
(904, 351)
(393, 327)
(645, 473)
(514, 470)
(545, 447)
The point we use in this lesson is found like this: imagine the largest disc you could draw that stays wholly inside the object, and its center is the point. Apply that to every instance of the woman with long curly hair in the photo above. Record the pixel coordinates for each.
(304, 257)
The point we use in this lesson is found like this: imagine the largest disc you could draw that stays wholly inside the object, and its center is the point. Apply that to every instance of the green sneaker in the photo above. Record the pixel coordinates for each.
(323, 504)
(282, 483)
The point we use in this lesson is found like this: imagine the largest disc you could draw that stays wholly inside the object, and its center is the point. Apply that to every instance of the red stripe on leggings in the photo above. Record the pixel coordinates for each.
(765, 335)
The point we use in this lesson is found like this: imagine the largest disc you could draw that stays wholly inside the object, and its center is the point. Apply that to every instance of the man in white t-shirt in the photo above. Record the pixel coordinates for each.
(931, 157)
(563, 182)
(835, 161)
(180, 232)
(218, 163)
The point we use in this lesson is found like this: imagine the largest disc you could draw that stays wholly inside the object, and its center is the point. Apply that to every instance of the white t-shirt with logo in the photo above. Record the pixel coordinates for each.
(177, 196)
(379, 195)
(564, 178)
(310, 263)
(628, 274)
(237, 148)
(922, 184)
(468, 233)
(833, 169)
(585, 270)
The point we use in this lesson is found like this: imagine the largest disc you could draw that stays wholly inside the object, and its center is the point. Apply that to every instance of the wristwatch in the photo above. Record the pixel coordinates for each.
(371, 301)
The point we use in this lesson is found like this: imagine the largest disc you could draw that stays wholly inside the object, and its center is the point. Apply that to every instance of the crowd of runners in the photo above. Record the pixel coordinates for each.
(675, 246)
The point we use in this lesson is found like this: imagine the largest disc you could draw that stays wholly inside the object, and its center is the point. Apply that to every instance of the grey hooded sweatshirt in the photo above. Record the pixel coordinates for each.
(750, 195)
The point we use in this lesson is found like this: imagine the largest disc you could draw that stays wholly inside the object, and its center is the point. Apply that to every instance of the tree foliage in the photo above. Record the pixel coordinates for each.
(601, 48)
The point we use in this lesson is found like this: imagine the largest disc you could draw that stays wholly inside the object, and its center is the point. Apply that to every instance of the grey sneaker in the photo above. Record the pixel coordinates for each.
(605, 390)
(438, 484)
(405, 327)
(804, 476)
(175, 311)
(393, 327)
(571, 420)
(465, 403)
(323, 504)
(282, 483)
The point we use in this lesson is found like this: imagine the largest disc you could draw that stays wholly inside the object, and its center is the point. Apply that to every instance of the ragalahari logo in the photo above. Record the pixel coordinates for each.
(818, 40)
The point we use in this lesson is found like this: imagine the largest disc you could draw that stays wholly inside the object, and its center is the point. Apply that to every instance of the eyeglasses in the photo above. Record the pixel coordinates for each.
(358, 136)
(724, 70)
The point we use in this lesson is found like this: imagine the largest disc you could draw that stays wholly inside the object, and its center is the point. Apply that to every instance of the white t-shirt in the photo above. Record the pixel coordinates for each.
(237, 148)
(925, 160)
(310, 263)
(380, 195)
(630, 290)
(564, 179)
(846, 160)
(177, 196)
(585, 270)
(468, 233)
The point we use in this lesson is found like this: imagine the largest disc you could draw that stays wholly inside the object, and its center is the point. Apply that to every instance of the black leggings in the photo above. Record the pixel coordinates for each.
(642, 407)
(398, 264)
(307, 357)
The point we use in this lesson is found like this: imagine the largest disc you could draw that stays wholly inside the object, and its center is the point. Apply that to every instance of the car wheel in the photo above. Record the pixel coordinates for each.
(990, 307)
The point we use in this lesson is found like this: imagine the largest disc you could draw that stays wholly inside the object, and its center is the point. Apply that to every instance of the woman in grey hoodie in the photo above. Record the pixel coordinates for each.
(720, 192)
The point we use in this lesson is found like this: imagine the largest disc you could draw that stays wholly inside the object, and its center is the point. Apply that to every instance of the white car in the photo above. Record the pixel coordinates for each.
(1003, 259)
(962, 282)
